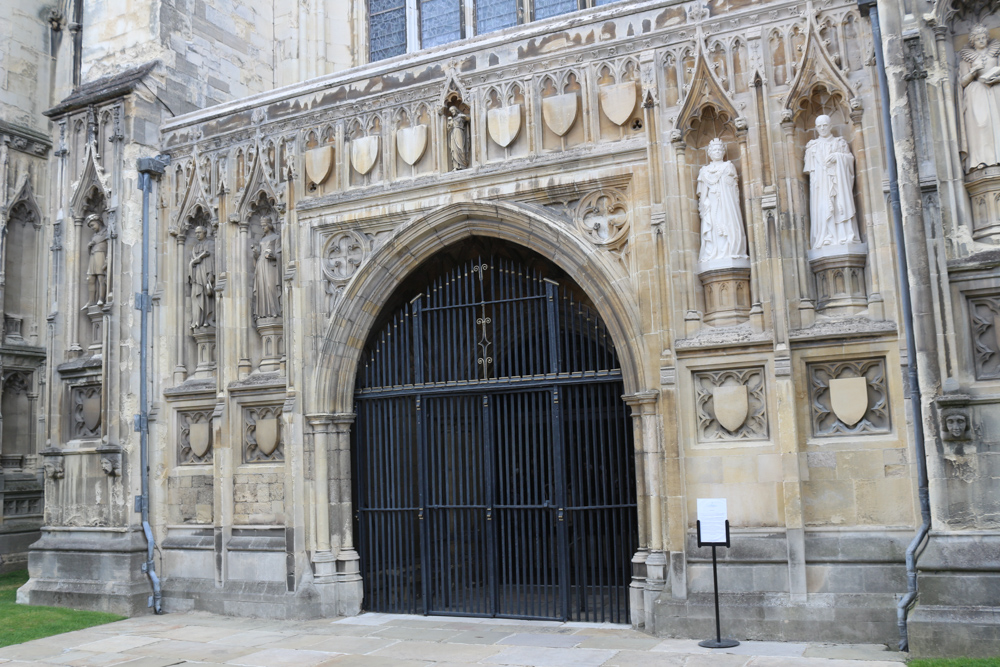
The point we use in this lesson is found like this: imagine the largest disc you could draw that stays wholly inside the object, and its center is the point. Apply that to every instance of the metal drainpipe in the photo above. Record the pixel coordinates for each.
(911, 347)
(147, 167)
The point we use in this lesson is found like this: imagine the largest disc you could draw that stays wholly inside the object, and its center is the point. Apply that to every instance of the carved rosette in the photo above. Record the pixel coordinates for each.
(984, 312)
(195, 437)
(343, 254)
(731, 405)
(848, 397)
(604, 217)
(262, 436)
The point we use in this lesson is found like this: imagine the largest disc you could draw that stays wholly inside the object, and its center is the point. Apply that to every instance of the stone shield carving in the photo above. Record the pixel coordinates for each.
(92, 410)
(411, 143)
(319, 164)
(732, 405)
(849, 399)
(364, 152)
(618, 101)
(559, 112)
(504, 124)
(267, 435)
(198, 438)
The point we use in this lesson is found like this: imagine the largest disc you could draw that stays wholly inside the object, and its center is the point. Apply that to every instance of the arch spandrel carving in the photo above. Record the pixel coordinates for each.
(600, 275)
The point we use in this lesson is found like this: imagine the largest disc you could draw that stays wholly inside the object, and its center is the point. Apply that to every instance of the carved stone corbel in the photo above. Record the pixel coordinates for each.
(111, 460)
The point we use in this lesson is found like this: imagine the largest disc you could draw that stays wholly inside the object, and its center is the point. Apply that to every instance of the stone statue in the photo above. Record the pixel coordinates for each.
(979, 74)
(267, 272)
(722, 234)
(830, 166)
(956, 424)
(458, 138)
(97, 267)
(202, 279)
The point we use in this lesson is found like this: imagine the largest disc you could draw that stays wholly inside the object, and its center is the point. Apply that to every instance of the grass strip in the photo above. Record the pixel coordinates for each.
(22, 623)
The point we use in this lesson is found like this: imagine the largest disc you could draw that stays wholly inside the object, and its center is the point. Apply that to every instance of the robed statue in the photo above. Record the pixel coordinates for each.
(722, 234)
(201, 277)
(458, 138)
(267, 272)
(830, 166)
(979, 76)
(97, 266)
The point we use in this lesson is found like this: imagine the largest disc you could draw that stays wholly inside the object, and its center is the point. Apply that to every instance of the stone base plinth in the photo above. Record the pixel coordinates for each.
(840, 278)
(88, 568)
(273, 343)
(726, 284)
(205, 338)
(984, 190)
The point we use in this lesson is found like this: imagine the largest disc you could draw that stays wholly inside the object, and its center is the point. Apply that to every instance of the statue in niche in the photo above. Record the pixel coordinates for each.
(267, 272)
(458, 138)
(97, 266)
(830, 166)
(202, 280)
(979, 74)
(722, 235)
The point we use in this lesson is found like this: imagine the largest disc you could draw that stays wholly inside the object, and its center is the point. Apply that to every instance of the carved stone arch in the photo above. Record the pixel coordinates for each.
(258, 184)
(548, 85)
(706, 91)
(606, 74)
(329, 134)
(628, 69)
(514, 93)
(453, 91)
(24, 198)
(355, 129)
(816, 67)
(570, 78)
(401, 117)
(91, 178)
(194, 196)
(311, 140)
(716, 53)
(598, 274)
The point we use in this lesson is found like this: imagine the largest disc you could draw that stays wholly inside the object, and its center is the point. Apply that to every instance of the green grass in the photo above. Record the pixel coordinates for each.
(21, 623)
(954, 662)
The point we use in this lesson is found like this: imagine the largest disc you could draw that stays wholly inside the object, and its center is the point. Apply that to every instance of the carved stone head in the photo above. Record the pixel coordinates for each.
(199, 233)
(979, 36)
(267, 224)
(94, 222)
(54, 469)
(955, 425)
(716, 150)
(823, 125)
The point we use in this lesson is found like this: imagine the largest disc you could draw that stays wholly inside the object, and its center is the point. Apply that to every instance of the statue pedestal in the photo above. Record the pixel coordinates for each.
(984, 189)
(205, 338)
(726, 283)
(273, 343)
(96, 315)
(840, 278)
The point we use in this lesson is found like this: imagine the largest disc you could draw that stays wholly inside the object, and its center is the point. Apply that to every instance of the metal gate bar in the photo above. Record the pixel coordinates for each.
(493, 454)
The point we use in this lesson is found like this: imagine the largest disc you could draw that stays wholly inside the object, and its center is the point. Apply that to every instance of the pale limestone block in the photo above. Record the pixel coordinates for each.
(885, 502)
(769, 468)
(863, 464)
(829, 502)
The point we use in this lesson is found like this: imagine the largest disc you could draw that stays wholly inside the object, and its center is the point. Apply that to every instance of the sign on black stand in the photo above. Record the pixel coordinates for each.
(713, 531)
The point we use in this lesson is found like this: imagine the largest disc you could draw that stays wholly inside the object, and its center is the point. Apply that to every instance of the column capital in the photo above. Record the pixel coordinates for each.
(642, 398)
(320, 420)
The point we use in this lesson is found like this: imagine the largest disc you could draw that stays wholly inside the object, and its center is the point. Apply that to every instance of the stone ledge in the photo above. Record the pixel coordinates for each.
(102, 89)
(741, 335)
(851, 327)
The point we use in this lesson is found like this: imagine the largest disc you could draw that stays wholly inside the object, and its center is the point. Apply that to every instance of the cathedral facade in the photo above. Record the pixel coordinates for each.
(444, 307)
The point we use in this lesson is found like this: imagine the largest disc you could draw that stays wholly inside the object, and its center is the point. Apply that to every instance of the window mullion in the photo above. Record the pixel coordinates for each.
(412, 26)
(469, 18)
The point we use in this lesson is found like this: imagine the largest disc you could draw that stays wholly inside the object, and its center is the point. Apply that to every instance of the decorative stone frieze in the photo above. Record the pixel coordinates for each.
(984, 312)
(848, 398)
(194, 444)
(731, 405)
(263, 440)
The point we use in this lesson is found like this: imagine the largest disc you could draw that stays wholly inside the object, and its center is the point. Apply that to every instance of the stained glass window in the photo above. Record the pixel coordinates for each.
(548, 8)
(495, 15)
(598, 3)
(440, 22)
(387, 28)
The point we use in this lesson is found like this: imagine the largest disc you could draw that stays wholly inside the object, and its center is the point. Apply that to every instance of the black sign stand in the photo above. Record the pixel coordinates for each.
(718, 642)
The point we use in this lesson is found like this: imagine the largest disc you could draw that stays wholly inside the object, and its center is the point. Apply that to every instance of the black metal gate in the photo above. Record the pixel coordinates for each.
(493, 454)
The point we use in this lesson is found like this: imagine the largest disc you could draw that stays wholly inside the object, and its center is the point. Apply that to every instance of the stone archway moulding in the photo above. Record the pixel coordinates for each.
(355, 312)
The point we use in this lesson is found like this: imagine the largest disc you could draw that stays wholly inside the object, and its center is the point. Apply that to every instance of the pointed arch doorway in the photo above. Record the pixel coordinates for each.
(494, 471)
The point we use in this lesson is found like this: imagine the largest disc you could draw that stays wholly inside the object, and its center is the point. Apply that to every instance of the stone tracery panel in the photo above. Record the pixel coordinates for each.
(195, 437)
(731, 405)
(985, 329)
(263, 439)
(848, 398)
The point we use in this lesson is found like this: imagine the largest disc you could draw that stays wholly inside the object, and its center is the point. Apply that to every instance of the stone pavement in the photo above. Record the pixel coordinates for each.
(386, 640)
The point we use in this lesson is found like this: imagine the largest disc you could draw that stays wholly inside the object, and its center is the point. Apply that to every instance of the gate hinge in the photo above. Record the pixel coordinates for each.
(420, 514)
(559, 514)
(489, 513)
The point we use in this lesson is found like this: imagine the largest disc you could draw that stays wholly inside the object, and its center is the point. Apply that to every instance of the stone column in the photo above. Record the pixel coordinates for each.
(692, 318)
(73, 276)
(348, 560)
(180, 370)
(323, 558)
(807, 308)
(242, 299)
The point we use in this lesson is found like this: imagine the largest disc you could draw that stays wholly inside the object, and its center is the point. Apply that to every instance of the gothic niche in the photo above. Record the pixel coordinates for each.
(267, 272)
(978, 56)
(20, 290)
(457, 124)
(713, 153)
(837, 250)
(17, 417)
(199, 258)
(95, 290)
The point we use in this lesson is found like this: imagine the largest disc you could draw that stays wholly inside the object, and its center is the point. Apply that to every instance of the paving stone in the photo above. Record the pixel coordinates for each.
(417, 650)
(777, 649)
(353, 645)
(646, 659)
(550, 657)
(854, 652)
(250, 638)
(549, 640)
(417, 634)
(480, 636)
(116, 644)
(620, 643)
(282, 657)
(151, 662)
(377, 661)
(202, 652)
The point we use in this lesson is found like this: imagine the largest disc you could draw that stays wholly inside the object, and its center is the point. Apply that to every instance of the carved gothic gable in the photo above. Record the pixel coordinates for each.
(705, 90)
(816, 68)
(92, 178)
(257, 183)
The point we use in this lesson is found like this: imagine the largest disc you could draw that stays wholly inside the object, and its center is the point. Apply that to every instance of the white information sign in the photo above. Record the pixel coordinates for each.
(712, 517)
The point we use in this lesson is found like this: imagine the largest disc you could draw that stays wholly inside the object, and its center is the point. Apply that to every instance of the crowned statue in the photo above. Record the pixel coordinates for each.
(979, 74)
(830, 166)
(722, 233)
